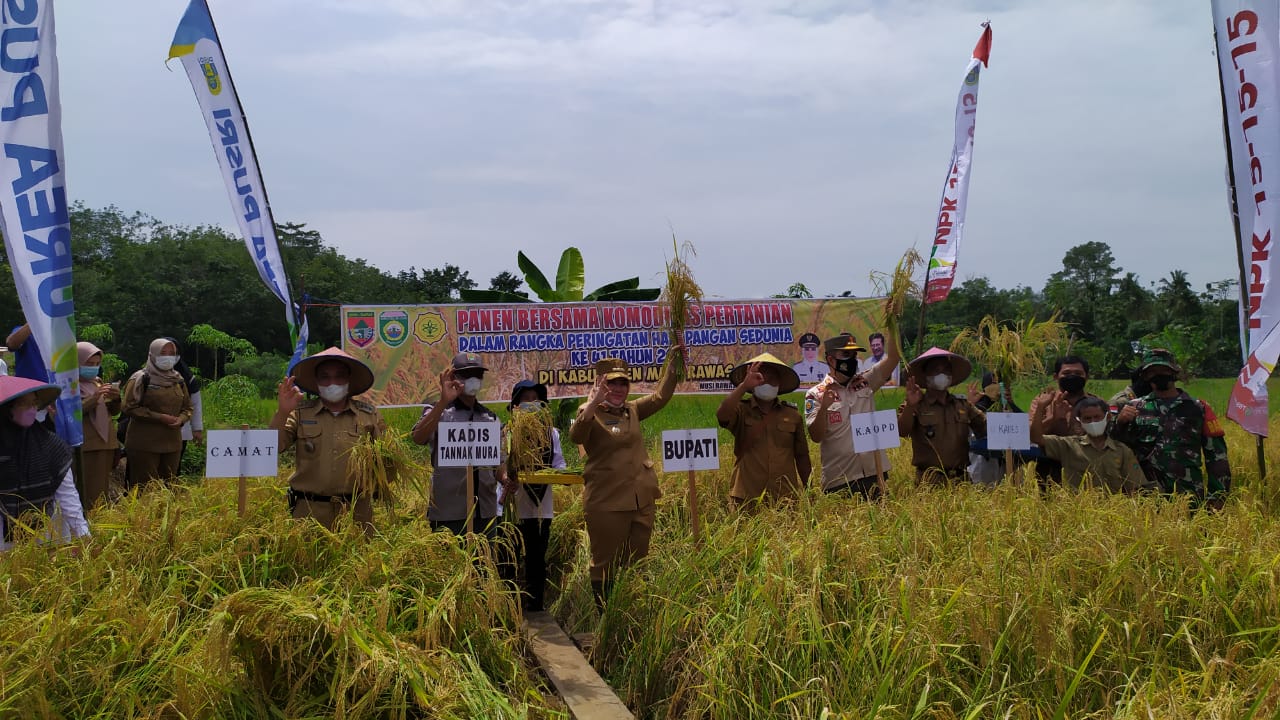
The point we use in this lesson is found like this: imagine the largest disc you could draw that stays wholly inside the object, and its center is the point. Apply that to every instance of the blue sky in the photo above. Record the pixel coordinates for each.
(790, 141)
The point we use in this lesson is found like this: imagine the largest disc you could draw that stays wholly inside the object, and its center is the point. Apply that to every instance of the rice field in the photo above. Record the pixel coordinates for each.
(933, 604)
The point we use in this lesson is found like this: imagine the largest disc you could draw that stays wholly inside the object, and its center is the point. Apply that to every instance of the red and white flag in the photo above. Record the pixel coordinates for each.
(955, 192)
(1247, 38)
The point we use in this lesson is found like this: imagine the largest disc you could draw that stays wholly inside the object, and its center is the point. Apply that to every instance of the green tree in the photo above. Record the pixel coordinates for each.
(570, 281)
(1083, 286)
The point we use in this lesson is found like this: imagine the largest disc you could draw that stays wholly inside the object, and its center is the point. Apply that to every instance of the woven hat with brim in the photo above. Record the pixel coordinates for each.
(304, 373)
(1158, 356)
(790, 380)
(523, 385)
(843, 341)
(13, 387)
(960, 367)
(612, 369)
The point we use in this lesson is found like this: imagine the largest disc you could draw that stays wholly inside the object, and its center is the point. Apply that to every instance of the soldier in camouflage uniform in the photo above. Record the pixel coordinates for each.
(1172, 432)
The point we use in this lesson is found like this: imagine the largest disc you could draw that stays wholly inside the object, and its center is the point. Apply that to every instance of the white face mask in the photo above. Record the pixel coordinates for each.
(1095, 429)
(42, 414)
(765, 392)
(471, 386)
(333, 393)
(941, 381)
(166, 362)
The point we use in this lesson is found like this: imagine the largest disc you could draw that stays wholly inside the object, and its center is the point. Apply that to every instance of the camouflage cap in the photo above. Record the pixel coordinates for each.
(1158, 356)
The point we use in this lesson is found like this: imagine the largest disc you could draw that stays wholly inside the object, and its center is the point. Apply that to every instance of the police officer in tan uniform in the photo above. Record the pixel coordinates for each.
(620, 485)
(157, 404)
(324, 430)
(769, 445)
(938, 422)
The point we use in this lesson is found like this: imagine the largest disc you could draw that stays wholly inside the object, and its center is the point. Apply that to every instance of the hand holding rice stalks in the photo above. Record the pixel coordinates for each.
(898, 287)
(529, 438)
(376, 463)
(681, 292)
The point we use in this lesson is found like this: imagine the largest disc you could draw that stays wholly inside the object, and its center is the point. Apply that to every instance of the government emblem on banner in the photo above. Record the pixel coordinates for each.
(428, 327)
(211, 75)
(393, 327)
(360, 328)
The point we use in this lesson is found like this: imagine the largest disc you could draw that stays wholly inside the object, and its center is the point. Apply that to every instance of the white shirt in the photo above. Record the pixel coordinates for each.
(870, 361)
(525, 509)
(811, 372)
(68, 515)
(196, 423)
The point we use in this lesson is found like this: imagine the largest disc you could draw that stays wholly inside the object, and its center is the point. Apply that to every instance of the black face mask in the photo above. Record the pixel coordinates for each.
(1071, 384)
(1163, 381)
(847, 367)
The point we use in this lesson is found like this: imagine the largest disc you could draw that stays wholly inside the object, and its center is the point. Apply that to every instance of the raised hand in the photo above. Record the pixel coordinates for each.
(450, 387)
(1061, 406)
(914, 394)
(754, 378)
(973, 393)
(598, 392)
(288, 396)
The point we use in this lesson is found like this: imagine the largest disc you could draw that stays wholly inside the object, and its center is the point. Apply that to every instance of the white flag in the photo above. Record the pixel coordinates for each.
(1247, 39)
(33, 201)
(196, 44)
(955, 191)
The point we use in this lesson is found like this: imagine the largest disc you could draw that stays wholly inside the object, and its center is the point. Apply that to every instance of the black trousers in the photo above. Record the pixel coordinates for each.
(867, 487)
(535, 535)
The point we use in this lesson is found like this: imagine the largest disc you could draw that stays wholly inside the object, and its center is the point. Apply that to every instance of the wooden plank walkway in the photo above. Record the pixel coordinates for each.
(581, 688)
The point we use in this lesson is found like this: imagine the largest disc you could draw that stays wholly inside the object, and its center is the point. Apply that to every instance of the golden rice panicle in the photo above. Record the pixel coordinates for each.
(681, 292)
(530, 437)
(898, 287)
(1012, 351)
(376, 462)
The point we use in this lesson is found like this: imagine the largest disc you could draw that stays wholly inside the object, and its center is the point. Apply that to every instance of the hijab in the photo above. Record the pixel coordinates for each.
(33, 462)
(99, 417)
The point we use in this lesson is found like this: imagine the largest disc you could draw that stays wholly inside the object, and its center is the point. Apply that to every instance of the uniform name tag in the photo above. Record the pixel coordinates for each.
(310, 422)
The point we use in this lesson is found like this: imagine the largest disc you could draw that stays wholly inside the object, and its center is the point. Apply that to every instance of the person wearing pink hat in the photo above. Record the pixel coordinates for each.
(157, 404)
(324, 429)
(101, 402)
(937, 422)
(35, 464)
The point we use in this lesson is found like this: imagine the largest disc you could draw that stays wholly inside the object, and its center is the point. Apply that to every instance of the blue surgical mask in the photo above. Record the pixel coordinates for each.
(88, 373)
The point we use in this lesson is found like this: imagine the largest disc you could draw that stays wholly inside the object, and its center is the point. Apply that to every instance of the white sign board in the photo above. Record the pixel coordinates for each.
(469, 443)
(1008, 431)
(875, 430)
(241, 453)
(690, 450)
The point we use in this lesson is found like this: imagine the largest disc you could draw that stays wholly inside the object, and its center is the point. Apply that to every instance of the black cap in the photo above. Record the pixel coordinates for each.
(468, 361)
(809, 339)
(528, 385)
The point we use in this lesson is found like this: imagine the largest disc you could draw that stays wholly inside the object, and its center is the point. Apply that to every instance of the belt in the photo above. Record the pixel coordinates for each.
(296, 495)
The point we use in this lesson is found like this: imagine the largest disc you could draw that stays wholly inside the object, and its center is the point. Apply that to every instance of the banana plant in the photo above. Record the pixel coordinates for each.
(570, 276)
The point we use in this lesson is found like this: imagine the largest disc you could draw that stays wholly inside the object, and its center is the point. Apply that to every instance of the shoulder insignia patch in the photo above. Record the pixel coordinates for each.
(1212, 426)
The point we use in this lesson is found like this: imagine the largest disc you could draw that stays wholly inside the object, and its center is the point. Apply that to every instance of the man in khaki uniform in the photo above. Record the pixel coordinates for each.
(828, 406)
(620, 485)
(769, 445)
(1091, 457)
(938, 422)
(324, 430)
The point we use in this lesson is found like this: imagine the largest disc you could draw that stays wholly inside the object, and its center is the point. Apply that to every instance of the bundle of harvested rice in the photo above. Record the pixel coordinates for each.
(680, 293)
(898, 287)
(529, 436)
(376, 463)
(1012, 352)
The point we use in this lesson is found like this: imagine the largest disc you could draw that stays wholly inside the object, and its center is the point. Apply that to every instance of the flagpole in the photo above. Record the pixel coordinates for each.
(1235, 224)
(248, 134)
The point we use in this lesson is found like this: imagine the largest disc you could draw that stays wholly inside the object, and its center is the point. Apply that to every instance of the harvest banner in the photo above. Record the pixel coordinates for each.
(196, 44)
(557, 344)
(1246, 32)
(949, 229)
(33, 203)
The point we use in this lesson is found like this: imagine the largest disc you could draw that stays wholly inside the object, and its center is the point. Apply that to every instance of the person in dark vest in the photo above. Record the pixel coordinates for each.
(324, 429)
(35, 464)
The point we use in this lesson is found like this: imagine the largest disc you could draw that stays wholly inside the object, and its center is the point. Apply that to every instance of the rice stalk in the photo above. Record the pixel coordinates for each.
(1012, 352)
(529, 438)
(376, 462)
(898, 287)
(681, 293)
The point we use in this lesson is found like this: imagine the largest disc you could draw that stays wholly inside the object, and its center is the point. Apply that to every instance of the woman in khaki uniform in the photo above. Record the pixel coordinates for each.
(101, 402)
(620, 485)
(157, 404)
